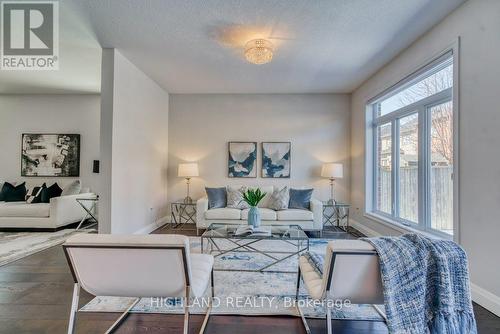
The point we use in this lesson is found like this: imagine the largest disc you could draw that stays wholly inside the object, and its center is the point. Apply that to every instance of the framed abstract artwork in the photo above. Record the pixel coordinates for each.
(242, 159)
(50, 155)
(276, 161)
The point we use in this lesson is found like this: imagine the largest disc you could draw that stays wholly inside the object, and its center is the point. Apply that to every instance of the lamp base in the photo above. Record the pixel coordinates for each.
(187, 200)
(331, 201)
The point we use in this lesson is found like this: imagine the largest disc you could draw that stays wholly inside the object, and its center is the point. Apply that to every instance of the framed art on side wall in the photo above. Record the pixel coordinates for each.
(242, 159)
(276, 159)
(50, 155)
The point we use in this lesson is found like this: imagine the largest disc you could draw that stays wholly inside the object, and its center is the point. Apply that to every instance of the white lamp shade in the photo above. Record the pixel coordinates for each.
(188, 170)
(332, 171)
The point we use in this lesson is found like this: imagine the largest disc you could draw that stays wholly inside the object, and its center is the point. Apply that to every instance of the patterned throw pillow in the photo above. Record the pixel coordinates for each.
(279, 199)
(34, 195)
(235, 198)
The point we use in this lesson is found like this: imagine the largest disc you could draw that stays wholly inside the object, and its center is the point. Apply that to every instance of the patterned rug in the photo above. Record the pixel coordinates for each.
(16, 245)
(246, 293)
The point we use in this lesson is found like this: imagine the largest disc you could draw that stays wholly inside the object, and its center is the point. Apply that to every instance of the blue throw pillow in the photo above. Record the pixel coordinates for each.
(217, 197)
(300, 198)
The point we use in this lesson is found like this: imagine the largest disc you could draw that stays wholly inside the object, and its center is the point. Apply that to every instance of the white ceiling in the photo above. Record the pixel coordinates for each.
(195, 46)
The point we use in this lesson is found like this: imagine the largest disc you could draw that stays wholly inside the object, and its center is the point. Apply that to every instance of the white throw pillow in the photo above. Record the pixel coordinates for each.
(72, 189)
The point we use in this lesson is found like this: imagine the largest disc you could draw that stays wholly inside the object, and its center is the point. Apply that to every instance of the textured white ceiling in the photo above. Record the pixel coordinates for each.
(195, 46)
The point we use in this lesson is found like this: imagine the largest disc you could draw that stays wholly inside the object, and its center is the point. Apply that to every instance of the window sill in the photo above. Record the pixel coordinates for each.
(403, 228)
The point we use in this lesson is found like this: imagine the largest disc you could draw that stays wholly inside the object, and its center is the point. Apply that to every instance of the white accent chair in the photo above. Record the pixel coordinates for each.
(351, 272)
(137, 266)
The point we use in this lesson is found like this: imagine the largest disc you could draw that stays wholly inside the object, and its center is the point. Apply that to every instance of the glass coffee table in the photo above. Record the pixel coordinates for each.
(293, 236)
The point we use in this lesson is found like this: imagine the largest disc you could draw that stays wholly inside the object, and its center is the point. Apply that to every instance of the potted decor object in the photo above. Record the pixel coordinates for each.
(252, 197)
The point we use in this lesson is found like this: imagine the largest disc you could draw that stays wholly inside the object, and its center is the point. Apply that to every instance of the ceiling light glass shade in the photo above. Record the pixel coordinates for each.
(259, 51)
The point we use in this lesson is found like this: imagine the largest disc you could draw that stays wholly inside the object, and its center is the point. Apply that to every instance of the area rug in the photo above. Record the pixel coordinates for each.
(246, 293)
(16, 245)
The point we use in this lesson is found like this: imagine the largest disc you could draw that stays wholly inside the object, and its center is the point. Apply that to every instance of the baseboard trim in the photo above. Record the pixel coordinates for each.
(486, 299)
(153, 226)
(363, 229)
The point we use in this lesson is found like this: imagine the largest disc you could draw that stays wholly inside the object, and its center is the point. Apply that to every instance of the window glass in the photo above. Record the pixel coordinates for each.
(413, 150)
(384, 168)
(408, 168)
(441, 182)
(430, 85)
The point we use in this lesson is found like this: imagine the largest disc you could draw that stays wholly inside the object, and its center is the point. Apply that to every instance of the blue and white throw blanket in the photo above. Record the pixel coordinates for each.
(426, 285)
(316, 261)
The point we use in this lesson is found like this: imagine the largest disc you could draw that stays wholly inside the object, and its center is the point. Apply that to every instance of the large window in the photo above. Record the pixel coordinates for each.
(411, 135)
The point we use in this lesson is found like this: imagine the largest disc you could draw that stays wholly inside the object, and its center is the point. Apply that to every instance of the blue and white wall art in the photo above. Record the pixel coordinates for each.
(242, 159)
(276, 160)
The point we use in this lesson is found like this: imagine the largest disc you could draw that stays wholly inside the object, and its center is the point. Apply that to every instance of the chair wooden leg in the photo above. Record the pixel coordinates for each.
(122, 317)
(212, 282)
(380, 312)
(74, 308)
(328, 318)
(304, 321)
(299, 311)
(207, 315)
(186, 311)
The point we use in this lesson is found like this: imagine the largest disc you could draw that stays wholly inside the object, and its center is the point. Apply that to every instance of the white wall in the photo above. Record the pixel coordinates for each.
(134, 148)
(477, 23)
(200, 127)
(78, 114)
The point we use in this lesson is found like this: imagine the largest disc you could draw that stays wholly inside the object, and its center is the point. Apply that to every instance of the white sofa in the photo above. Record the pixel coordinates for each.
(309, 220)
(59, 212)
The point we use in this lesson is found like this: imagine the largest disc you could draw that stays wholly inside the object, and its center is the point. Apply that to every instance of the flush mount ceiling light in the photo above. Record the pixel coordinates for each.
(259, 51)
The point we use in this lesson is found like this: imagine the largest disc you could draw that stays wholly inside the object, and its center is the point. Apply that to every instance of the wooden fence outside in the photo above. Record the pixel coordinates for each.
(441, 195)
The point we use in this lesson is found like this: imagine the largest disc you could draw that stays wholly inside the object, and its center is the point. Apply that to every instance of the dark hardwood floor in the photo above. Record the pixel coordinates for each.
(35, 297)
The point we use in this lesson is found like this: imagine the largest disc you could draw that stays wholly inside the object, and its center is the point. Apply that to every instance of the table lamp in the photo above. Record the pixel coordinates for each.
(187, 171)
(332, 171)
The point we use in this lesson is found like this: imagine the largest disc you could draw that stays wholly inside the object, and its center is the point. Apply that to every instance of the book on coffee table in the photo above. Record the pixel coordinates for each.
(247, 230)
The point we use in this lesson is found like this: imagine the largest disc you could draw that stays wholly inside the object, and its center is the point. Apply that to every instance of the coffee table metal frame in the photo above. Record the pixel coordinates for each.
(291, 234)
